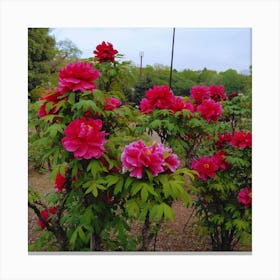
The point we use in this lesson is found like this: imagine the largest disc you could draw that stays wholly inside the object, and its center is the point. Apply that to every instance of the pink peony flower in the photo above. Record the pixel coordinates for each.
(245, 197)
(78, 76)
(59, 182)
(223, 139)
(210, 110)
(200, 93)
(217, 93)
(205, 166)
(137, 155)
(105, 52)
(84, 138)
(134, 158)
(241, 139)
(111, 103)
(160, 97)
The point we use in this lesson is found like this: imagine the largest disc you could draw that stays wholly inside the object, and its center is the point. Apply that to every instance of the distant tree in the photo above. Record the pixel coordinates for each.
(231, 80)
(41, 51)
(66, 51)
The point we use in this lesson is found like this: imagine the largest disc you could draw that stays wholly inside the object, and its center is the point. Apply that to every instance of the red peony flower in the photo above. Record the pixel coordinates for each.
(200, 93)
(245, 197)
(145, 106)
(205, 166)
(78, 76)
(105, 52)
(217, 93)
(241, 139)
(179, 105)
(59, 182)
(219, 159)
(210, 110)
(160, 97)
(223, 139)
(111, 103)
(50, 96)
(84, 138)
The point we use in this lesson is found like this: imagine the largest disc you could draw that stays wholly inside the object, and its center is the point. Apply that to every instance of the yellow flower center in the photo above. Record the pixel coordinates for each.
(89, 127)
(206, 165)
(148, 152)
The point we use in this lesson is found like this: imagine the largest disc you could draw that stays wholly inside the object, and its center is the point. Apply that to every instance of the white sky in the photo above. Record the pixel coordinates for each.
(195, 48)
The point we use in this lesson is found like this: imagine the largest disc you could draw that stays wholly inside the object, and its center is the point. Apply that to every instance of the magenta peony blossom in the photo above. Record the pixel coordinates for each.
(219, 159)
(105, 52)
(217, 93)
(111, 103)
(200, 93)
(241, 139)
(205, 166)
(84, 138)
(245, 197)
(134, 158)
(179, 105)
(223, 139)
(210, 110)
(137, 156)
(78, 76)
(145, 106)
(160, 97)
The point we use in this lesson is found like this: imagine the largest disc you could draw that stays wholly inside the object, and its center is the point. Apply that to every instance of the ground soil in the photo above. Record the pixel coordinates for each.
(176, 236)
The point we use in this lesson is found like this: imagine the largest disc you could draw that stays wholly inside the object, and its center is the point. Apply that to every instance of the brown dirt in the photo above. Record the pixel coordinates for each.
(173, 236)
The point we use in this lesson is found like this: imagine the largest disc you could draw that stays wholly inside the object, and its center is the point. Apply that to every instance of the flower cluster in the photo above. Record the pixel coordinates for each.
(214, 92)
(45, 215)
(156, 158)
(240, 139)
(162, 97)
(207, 166)
(245, 197)
(84, 138)
(105, 52)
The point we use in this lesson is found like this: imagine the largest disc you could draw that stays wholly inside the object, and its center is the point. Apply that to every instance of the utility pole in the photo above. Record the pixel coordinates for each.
(141, 54)
(171, 66)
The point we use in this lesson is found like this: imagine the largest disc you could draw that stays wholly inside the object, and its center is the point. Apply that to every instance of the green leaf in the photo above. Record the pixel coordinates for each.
(128, 182)
(132, 208)
(73, 237)
(168, 212)
(71, 98)
(136, 188)
(119, 186)
(49, 106)
(82, 234)
(144, 194)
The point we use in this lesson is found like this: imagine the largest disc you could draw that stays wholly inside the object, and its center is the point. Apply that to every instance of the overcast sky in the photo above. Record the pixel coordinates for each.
(195, 48)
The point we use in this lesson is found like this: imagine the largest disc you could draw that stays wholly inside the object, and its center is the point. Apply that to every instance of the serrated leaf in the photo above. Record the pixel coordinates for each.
(144, 194)
(119, 186)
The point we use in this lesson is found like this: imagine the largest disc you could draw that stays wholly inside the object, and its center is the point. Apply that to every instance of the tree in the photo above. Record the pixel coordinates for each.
(41, 51)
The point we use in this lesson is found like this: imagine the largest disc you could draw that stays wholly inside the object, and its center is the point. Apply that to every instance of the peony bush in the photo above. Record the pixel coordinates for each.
(108, 172)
